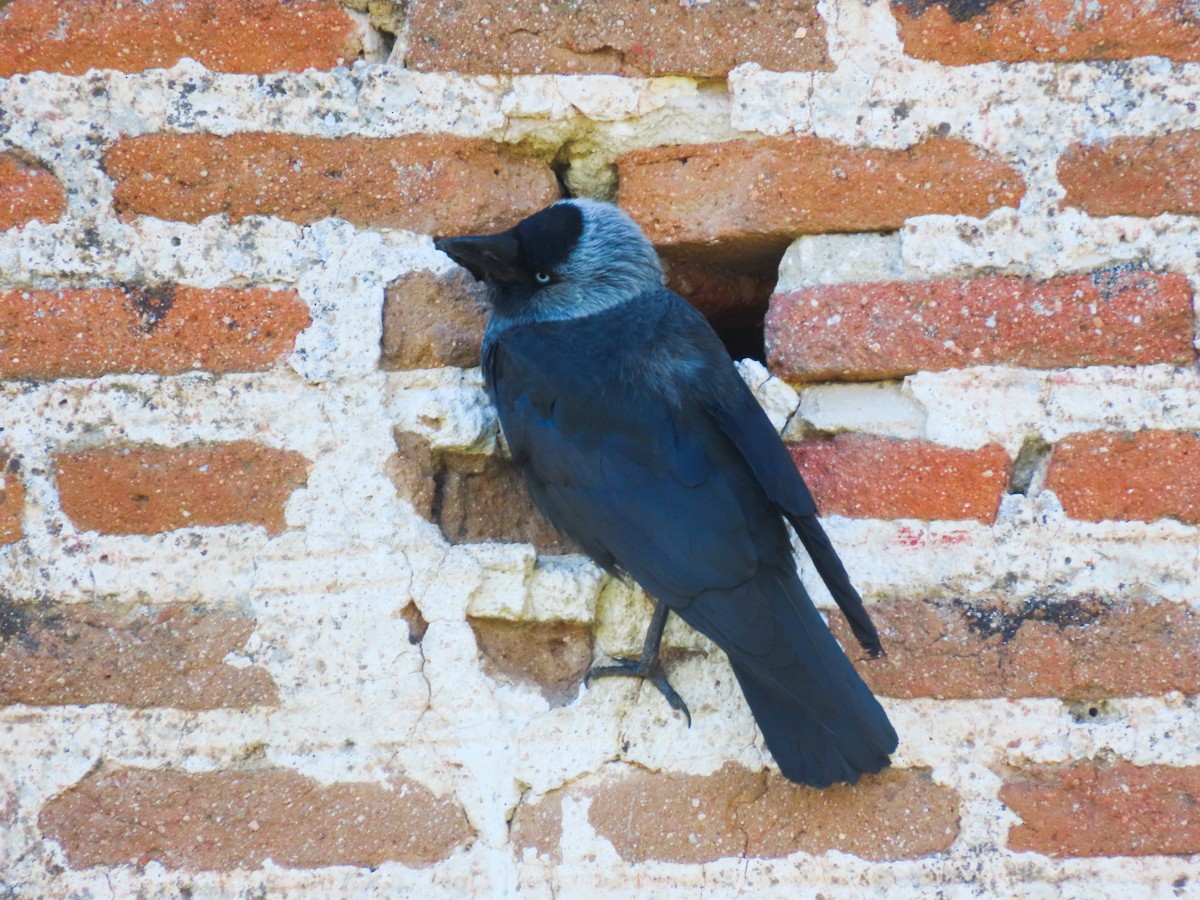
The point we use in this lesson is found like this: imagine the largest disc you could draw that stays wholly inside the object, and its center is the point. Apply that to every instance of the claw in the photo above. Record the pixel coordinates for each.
(649, 669)
(648, 665)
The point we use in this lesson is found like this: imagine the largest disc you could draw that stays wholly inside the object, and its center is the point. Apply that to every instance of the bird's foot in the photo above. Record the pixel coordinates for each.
(651, 671)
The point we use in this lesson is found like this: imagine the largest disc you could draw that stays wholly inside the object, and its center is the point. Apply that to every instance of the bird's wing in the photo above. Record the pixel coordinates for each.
(742, 420)
(616, 468)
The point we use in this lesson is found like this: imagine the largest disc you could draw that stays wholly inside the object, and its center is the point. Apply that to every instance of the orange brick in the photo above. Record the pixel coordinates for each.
(619, 37)
(166, 330)
(891, 329)
(73, 654)
(1092, 808)
(1083, 648)
(690, 819)
(1134, 176)
(237, 820)
(757, 195)
(1143, 476)
(28, 190)
(885, 478)
(960, 33)
(435, 185)
(224, 35)
(145, 490)
(12, 501)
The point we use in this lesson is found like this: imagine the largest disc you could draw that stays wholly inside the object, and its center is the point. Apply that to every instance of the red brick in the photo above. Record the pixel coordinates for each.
(691, 819)
(57, 654)
(432, 184)
(28, 190)
(1093, 808)
(1134, 176)
(12, 501)
(620, 37)
(224, 35)
(886, 478)
(891, 329)
(237, 820)
(959, 33)
(145, 490)
(432, 320)
(1143, 476)
(755, 196)
(165, 330)
(1085, 648)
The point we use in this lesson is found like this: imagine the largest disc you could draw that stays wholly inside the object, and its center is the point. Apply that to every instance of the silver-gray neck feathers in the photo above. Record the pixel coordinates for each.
(611, 263)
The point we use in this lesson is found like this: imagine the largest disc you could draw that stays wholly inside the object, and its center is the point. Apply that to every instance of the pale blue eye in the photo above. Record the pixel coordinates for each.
(542, 277)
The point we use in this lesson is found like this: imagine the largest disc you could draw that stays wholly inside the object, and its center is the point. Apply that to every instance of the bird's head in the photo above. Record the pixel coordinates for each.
(575, 258)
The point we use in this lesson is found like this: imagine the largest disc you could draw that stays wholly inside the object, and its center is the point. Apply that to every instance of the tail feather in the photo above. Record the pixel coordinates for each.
(833, 573)
(806, 749)
(819, 719)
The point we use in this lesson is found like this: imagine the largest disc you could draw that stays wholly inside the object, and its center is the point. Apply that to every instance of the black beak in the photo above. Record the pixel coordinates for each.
(489, 257)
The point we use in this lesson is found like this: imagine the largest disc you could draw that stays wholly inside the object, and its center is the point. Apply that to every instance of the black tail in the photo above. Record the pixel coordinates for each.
(833, 573)
(820, 721)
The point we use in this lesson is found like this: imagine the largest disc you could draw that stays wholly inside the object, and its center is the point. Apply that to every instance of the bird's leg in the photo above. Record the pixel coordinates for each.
(648, 666)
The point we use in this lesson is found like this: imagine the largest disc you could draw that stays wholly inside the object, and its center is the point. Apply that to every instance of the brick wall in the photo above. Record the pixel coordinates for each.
(276, 617)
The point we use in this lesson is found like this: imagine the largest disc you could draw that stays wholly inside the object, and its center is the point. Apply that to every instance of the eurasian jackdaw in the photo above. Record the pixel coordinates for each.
(639, 441)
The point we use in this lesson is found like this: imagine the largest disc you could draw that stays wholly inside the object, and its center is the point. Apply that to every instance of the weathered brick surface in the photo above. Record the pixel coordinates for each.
(432, 184)
(960, 33)
(757, 195)
(224, 35)
(551, 656)
(52, 654)
(415, 470)
(166, 330)
(144, 490)
(1083, 648)
(483, 498)
(236, 820)
(891, 329)
(1095, 808)
(622, 37)
(863, 476)
(662, 817)
(28, 190)
(12, 500)
(433, 320)
(1141, 476)
(1134, 176)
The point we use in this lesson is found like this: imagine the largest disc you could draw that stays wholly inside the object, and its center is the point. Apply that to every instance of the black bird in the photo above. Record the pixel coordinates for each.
(640, 442)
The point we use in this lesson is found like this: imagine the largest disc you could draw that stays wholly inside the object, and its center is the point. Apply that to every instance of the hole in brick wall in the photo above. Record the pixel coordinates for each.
(416, 623)
(560, 166)
(1029, 468)
(387, 41)
(732, 289)
(1092, 712)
